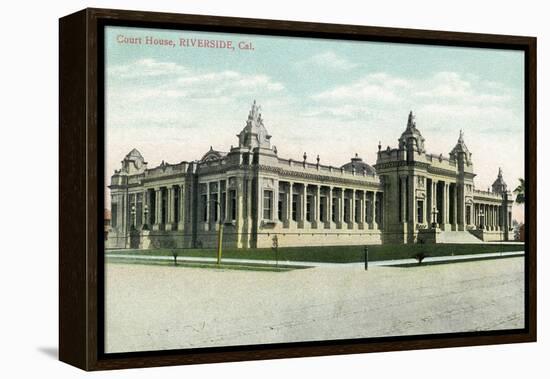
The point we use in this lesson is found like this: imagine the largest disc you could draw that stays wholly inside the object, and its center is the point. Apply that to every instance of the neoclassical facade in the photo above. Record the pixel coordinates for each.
(408, 196)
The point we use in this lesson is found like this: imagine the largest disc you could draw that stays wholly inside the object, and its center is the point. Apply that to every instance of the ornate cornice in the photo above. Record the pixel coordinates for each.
(398, 164)
(305, 176)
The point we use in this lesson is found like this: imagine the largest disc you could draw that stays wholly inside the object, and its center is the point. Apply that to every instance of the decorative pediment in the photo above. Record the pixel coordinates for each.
(212, 155)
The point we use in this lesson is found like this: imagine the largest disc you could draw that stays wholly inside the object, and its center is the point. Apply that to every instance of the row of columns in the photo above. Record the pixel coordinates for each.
(220, 201)
(448, 203)
(152, 209)
(334, 201)
(489, 217)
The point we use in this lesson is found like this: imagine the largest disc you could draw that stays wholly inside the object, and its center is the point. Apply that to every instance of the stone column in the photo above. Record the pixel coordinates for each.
(434, 199)
(341, 208)
(317, 219)
(490, 217)
(302, 207)
(445, 207)
(425, 215)
(455, 207)
(158, 201)
(362, 209)
(239, 184)
(352, 210)
(125, 212)
(289, 202)
(373, 224)
(412, 200)
(329, 206)
(208, 205)
(144, 201)
(462, 208)
(169, 207)
(181, 210)
(428, 203)
(227, 202)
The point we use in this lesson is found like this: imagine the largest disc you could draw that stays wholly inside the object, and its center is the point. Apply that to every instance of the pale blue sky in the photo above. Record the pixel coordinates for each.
(326, 97)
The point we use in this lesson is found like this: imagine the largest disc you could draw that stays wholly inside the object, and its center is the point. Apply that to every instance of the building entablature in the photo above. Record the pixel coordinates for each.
(487, 197)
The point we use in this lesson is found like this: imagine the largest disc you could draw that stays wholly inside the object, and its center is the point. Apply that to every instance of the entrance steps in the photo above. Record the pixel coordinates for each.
(457, 237)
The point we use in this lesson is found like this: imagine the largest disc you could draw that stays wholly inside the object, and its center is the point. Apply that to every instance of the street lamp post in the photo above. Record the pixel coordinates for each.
(481, 219)
(434, 221)
(145, 213)
(133, 212)
(220, 232)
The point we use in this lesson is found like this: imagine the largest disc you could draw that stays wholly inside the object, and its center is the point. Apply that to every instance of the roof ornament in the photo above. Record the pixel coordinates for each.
(411, 122)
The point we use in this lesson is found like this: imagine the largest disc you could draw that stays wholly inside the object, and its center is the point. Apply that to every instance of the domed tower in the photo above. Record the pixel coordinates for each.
(411, 139)
(499, 185)
(358, 166)
(133, 163)
(254, 134)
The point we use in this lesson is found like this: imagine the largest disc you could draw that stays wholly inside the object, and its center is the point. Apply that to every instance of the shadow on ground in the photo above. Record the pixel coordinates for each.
(50, 351)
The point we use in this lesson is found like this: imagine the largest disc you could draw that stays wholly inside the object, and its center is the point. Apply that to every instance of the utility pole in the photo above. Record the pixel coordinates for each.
(220, 233)
(366, 251)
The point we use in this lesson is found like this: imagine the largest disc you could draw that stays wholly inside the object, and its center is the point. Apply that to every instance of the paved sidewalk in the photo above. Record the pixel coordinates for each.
(393, 262)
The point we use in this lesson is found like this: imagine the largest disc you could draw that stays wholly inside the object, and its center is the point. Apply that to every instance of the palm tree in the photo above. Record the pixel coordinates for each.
(520, 192)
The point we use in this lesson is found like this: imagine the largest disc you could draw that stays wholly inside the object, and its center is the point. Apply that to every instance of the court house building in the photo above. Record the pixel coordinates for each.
(407, 196)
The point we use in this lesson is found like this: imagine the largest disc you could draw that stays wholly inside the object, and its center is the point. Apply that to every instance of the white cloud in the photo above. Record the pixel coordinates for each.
(379, 88)
(144, 68)
(150, 92)
(442, 96)
(328, 60)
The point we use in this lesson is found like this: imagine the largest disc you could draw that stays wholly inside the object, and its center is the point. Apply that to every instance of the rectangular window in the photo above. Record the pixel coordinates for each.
(468, 215)
(163, 205)
(346, 210)
(152, 207)
(214, 206)
(233, 204)
(294, 206)
(114, 214)
(176, 205)
(139, 209)
(204, 212)
(334, 209)
(420, 212)
(268, 205)
(222, 205)
(280, 206)
(357, 210)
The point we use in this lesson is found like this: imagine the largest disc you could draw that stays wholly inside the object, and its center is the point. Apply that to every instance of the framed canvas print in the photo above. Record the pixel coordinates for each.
(238, 189)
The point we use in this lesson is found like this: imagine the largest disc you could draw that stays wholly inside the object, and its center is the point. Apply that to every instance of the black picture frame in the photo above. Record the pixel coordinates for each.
(81, 187)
